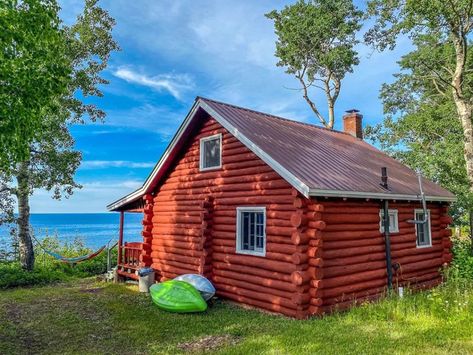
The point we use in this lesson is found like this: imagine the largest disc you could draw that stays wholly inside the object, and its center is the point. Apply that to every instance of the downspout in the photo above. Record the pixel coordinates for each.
(387, 240)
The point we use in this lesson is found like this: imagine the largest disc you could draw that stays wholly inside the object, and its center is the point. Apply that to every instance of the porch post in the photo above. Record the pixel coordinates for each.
(120, 237)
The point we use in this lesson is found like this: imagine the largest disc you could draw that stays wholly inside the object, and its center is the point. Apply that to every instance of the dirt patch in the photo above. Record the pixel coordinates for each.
(24, 336)
(208, 343)
(91, 290)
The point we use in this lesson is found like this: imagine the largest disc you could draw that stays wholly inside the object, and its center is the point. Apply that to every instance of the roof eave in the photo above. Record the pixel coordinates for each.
(133, 196)
(377, 195)
(199, 103)
(299, 185)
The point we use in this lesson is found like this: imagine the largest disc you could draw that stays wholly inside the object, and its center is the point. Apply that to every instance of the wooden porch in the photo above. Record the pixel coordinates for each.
(130, 254)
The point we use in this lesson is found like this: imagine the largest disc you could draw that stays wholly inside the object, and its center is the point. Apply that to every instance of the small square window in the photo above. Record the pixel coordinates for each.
(251, 230)
(211, 152)
(423, 230)
(393, 221)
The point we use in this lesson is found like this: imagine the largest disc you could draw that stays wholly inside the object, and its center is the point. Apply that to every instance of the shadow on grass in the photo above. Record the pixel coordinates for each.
(117, 319)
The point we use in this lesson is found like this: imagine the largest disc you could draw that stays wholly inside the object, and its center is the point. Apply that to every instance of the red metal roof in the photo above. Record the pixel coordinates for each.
(324, 159)
(315, 160)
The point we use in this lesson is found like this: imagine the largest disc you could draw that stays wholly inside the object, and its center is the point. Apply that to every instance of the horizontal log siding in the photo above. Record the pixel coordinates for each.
(354, 266)
(194, 227)
(320, 255)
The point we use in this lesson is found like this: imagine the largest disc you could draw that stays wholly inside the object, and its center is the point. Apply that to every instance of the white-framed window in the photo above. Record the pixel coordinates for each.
(251, 230)
(423, 231)
(393, 221)
(211, 152)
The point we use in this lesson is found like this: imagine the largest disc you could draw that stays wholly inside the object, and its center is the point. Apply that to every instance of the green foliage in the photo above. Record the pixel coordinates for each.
(76, 247)
(48, 269)
(317, 36)
(34, 72)
(433, 90)
(400, 17)
(421, 127)
(462, 264)
(315, 43)
(12, 275)
(51, 160)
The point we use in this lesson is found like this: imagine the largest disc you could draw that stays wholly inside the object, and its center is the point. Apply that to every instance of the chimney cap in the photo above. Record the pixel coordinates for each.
(353, 110)
(352, 123)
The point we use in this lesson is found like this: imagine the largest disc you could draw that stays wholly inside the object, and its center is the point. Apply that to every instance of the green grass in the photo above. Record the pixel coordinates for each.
(83, 316)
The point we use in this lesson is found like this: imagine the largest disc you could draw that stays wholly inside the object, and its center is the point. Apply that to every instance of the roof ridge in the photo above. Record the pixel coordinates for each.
(274, 116)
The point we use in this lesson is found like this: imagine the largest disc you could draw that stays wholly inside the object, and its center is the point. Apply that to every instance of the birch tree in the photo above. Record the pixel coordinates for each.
(51, 159)
(34, 70)
(446, 24)
(315, 43)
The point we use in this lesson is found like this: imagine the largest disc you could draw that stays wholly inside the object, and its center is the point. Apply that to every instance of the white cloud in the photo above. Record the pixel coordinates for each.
(162, 120)
(227, 50)
(175, 84)
(102, 164)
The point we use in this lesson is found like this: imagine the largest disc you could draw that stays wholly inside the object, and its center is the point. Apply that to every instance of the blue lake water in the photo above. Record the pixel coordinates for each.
(94, 229)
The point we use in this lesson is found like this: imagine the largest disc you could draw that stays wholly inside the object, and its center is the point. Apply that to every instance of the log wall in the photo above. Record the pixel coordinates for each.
(194, 227)
(321, 255)
(354, 252)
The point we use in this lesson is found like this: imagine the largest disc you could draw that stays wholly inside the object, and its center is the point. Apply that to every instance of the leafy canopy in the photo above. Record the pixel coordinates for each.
(421, 127)
(34, 71)
(315, 43)
(417, 17)
(51, 158)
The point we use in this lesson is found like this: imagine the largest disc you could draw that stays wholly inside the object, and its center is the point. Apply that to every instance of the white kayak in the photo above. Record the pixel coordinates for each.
(202, 284)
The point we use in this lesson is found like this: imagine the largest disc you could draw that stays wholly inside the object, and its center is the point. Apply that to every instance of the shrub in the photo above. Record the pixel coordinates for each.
(462, 263)
(49, 269)
(97, 265)
(12, 275)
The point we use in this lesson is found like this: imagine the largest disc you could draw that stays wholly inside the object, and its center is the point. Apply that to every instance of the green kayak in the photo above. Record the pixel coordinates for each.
(177, 296)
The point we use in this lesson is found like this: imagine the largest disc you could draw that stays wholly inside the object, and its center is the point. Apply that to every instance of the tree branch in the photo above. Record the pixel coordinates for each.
(438, 88)
(437, 74)
(310, 102)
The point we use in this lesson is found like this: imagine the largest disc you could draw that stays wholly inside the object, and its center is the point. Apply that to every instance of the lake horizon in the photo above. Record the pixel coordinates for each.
(94, 228)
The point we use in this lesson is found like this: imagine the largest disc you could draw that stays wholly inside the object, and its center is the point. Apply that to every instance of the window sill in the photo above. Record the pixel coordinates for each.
(390, 232)
(423, 246)
(210, 169)
(252, 253)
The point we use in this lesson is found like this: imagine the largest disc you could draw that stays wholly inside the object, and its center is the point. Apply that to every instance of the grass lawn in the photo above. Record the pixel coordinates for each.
(83, 316)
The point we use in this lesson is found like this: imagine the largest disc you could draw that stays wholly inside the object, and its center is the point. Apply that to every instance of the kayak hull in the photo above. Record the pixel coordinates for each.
(177, 296)
(202, 284)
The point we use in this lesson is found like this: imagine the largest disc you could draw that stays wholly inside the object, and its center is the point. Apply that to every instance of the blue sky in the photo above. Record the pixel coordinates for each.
(173, 51)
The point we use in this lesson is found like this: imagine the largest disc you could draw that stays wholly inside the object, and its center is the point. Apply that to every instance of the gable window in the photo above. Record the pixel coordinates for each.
(211, 152)
(393, 221)
(423, 231)
(251, 230)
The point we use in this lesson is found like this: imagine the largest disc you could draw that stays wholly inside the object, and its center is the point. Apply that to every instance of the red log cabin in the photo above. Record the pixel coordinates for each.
(283, 215)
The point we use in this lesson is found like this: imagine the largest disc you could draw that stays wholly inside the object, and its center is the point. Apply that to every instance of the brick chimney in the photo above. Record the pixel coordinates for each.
(353, 123)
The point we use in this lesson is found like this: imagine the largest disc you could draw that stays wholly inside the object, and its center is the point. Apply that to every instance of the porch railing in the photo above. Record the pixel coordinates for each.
(130, 255)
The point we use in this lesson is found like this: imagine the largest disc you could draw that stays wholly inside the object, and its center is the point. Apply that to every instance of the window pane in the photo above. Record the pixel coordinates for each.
(393, 223)
(244, 230)
(422, 230)
(211, 153)
(252, 231)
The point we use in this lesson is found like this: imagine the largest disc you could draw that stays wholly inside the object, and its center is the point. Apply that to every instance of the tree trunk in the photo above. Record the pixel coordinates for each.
(331, 114)
(23, 195)
(468, 154)
(464, 109)
(471, 229)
